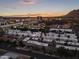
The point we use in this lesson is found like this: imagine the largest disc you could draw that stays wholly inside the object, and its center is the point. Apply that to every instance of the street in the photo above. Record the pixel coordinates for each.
(37, 55)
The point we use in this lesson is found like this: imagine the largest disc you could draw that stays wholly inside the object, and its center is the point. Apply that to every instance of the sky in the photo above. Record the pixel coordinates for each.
(37, 7)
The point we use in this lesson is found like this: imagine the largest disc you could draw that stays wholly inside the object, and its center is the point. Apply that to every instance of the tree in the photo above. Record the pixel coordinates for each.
(43, 48)
(21, 44)
(33, 58)
(66, 42)
(61, 51)
(52, 44)
(2, 32)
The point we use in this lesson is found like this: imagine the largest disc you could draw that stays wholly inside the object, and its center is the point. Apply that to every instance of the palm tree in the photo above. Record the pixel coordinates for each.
(44, 50)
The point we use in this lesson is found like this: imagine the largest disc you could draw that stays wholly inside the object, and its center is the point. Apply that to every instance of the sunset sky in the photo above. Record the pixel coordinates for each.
(37, 7)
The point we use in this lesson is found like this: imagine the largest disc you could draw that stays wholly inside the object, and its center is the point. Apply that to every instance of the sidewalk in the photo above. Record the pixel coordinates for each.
(38, 52)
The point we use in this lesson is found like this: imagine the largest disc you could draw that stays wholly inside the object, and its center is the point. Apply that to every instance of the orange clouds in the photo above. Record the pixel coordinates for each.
(47, 14)
(44, 14)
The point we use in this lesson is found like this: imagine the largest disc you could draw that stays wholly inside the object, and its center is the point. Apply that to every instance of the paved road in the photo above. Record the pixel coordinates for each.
(9, 25)
(37, 55)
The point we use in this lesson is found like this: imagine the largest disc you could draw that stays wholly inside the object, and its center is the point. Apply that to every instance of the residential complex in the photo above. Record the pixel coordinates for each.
(33, 37)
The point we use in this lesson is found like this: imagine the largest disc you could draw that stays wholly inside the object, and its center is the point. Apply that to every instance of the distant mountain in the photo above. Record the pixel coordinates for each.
(73, 13)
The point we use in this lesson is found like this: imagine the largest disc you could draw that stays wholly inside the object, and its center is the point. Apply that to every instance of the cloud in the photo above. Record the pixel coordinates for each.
(18, 4)
(29, 2)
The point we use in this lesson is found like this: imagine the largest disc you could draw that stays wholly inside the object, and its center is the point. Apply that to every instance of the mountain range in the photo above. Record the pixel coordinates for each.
(73, 13)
